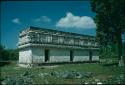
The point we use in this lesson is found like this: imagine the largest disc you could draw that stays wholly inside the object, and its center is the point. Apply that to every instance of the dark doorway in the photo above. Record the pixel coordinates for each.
(71, 55)
(90, 55)
(46, 55)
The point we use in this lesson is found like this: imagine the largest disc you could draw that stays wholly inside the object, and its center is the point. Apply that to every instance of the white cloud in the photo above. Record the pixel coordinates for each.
(16, 21)
(76, 21)
(43, 19)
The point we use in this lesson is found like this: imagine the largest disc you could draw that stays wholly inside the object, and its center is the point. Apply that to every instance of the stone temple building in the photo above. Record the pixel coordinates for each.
(40, 45)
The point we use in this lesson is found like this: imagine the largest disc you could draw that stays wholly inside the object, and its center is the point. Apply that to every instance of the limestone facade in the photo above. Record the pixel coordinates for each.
(40, 45)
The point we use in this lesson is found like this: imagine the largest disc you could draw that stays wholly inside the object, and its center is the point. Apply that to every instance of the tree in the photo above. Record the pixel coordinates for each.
(8, 54)
(14, 53)
(110, 22)
(3, 54)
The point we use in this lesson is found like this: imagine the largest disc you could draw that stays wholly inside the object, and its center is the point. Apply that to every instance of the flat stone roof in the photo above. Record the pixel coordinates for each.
(52, 30)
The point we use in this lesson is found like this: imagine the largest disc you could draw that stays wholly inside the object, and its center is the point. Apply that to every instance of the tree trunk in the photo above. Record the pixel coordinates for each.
(121, 60)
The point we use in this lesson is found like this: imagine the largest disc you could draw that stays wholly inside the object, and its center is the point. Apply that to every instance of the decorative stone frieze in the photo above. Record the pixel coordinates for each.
(40, 36)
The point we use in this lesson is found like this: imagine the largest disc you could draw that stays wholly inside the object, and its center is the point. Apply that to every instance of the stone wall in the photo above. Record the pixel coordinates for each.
(95, 56)
(81, 55)
(59, 46)
(38, 54)
(25, 55)
(58, 55)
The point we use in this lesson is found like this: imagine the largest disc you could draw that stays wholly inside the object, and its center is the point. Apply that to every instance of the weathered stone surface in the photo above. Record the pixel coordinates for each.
(24, 79)
(68, 74)
(34, 41)
(25, 55)
(38, 55)
(58, 55)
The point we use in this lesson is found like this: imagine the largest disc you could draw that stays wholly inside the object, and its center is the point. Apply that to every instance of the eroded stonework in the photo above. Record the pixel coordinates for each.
(39, 45)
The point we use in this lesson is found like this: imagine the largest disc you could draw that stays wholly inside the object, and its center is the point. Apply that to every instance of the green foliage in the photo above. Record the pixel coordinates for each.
(3, 53)
(108, 52)
(8, 54)
(37, 75)
(110, 19)
(110, 22)
(13, 54)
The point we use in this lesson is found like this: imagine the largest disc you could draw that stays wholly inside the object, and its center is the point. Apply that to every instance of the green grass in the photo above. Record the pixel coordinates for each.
(102, 72)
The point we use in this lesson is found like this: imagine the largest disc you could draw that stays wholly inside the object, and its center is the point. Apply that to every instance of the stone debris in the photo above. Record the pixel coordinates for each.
(24, 79)
(68, 74)
(46, 81)
(86, 83)
(97, 80)
(98, 83)
(25, 73)
(44, 75)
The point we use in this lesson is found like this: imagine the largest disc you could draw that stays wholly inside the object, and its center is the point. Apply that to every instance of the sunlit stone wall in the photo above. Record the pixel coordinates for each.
(57, 55)
(25, 55)
(37, 54)
(34, 41)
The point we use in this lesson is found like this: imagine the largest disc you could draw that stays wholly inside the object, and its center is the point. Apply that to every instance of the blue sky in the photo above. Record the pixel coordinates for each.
(71, 16)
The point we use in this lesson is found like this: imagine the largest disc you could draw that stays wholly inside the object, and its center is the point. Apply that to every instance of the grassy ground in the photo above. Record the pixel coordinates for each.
(102, 72)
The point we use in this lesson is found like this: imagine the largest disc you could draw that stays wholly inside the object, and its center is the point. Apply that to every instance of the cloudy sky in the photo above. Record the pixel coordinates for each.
(69, 16)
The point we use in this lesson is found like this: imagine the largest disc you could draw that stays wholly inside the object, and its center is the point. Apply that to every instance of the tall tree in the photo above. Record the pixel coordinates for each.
(110, 21)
